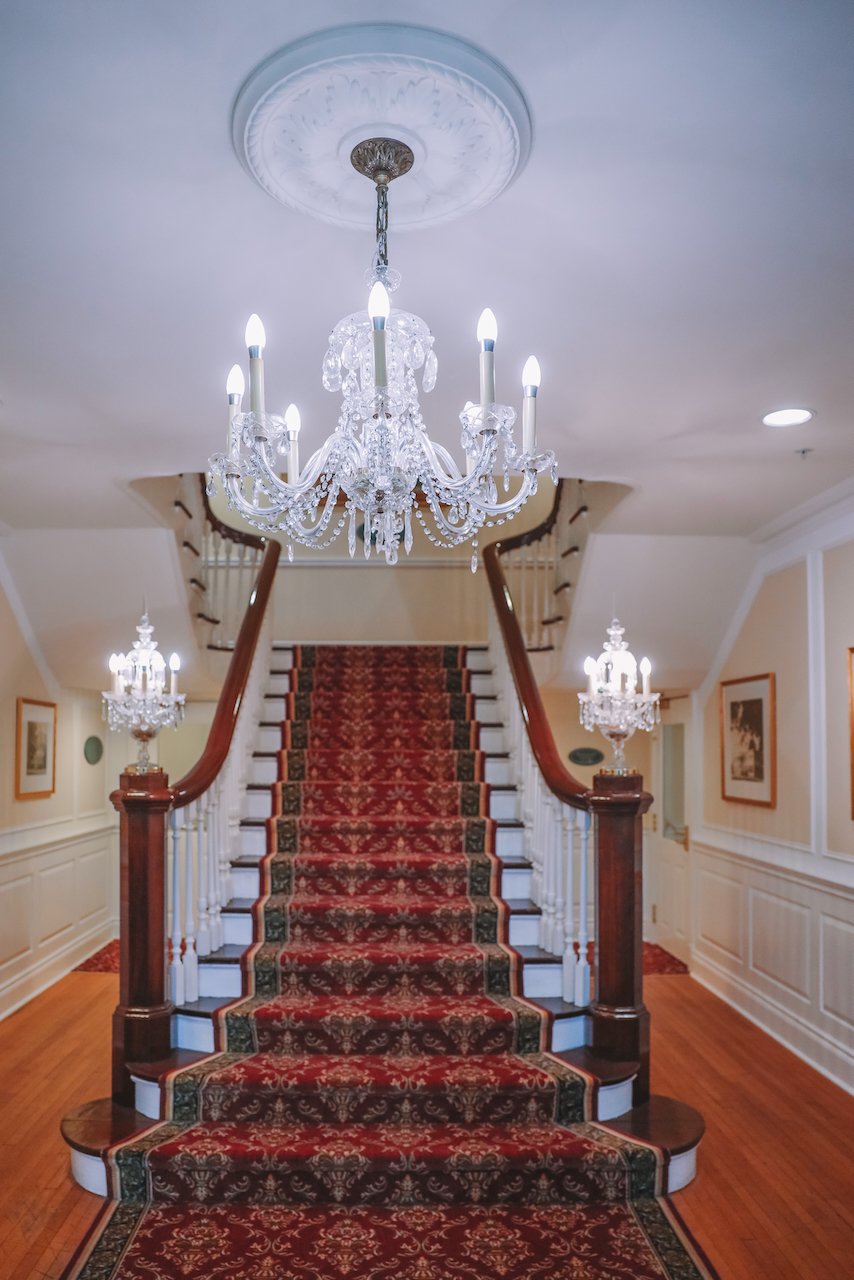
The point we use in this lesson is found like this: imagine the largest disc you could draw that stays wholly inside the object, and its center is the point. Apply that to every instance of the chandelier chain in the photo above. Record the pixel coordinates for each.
(382, 224)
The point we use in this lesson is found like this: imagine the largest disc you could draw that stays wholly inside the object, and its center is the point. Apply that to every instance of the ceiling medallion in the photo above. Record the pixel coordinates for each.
(462, 117)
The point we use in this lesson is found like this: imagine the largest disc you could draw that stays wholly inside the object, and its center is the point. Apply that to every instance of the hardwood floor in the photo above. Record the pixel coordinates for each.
(774, 1196)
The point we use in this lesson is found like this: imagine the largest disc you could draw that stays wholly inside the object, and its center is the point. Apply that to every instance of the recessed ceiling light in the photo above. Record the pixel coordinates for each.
(788, 417)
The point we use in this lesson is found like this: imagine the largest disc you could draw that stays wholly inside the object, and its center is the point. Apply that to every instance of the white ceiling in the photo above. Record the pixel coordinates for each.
(678, 251)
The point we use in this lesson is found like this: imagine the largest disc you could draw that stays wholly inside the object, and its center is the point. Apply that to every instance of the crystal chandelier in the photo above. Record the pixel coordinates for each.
(379, 461)
(612, 702)
(138, 700)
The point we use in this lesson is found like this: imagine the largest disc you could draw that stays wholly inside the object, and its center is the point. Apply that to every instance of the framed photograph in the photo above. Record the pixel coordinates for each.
(749, 741)
(35, 750)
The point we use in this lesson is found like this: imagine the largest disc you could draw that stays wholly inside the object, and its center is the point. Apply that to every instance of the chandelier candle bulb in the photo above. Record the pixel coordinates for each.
(174, 668)
(590, 672)
(378, 310)
(530, 387)
(292, 422)
(256, 340)
(487, 332)
(235, 385)
(646, 672)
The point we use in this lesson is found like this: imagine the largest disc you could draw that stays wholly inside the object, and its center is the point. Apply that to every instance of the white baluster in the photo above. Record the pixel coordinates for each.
(214, 906)
(547, 928)
(568, 950)
(176, 964)
(582, 971)
(203, 935)
(191, 962)
(558, 919)
(222, 844)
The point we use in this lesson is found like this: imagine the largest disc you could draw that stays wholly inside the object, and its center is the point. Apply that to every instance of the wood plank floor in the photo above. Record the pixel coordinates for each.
(774, 1196)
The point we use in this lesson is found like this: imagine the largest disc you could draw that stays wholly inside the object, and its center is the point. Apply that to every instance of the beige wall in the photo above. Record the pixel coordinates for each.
(772, 639)
(430, 597)
(839, 638)
(179, 749)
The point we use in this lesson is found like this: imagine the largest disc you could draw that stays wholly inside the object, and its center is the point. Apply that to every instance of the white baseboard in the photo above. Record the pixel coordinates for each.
(826, 1056)
(30, 982)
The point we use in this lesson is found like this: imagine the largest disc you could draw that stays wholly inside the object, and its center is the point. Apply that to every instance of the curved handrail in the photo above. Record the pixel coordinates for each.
(539, 530)
(206, 768)
(557, 778)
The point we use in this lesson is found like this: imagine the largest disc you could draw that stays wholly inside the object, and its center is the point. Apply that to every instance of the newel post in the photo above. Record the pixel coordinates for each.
(141, 1022)
(619, 1016)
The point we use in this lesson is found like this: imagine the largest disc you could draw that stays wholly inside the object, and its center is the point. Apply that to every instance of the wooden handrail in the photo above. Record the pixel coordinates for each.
(619, 1019)
(203, 772)
(558, 779)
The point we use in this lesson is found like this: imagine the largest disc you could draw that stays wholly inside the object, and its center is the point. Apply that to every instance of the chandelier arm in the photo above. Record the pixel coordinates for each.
(309, 477)
(437, 453)
(310, 536)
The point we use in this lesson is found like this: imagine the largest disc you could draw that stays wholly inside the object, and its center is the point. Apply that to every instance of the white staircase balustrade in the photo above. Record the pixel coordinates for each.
(202, 839)
(557, 842)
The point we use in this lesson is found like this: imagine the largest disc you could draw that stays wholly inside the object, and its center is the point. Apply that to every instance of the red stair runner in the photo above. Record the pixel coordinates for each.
(381, 1104)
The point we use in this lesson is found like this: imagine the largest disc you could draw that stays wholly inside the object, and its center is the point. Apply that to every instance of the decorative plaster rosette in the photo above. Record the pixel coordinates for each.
(299, 115)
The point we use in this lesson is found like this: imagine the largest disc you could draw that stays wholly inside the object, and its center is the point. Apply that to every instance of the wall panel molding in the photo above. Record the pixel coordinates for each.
(58, 904)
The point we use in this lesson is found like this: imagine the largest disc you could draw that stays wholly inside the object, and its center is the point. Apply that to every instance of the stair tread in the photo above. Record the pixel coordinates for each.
(176, 1060)
(204, 1006)
(558, 1007)
(664, 1122)
(606, 1071)
(522, 907)
(228, 953)
(537, 955)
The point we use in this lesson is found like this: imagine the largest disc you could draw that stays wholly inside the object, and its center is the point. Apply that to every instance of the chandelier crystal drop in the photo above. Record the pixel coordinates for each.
(139, 701)
(379, 469)
(612, 703)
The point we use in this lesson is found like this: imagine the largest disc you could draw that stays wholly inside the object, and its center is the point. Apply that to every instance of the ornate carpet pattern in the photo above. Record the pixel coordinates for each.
(381, 1103)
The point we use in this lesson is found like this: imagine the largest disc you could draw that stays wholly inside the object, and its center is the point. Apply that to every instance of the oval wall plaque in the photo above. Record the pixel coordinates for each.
(586, 756)
(93, 749)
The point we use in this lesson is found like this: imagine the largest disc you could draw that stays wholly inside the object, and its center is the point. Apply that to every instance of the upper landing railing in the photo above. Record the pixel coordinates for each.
(575, 834)
(173, 890)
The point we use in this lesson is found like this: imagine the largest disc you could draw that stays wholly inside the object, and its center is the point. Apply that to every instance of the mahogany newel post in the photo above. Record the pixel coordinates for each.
(619, 1016)
(141, 1021)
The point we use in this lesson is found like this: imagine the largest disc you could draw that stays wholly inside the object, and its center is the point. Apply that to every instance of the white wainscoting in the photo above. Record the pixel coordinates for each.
(58, 902)
(778, 945)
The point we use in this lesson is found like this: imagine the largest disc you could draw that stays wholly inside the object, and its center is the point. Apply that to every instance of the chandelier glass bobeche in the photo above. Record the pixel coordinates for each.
(379, 468)
(139, 700)
(612, 703)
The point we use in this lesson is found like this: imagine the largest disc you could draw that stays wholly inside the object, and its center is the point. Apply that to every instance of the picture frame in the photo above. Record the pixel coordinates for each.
(748, 730)
(35, 749)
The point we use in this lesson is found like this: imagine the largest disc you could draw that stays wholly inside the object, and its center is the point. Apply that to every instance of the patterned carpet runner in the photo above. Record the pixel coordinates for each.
(381, 1103)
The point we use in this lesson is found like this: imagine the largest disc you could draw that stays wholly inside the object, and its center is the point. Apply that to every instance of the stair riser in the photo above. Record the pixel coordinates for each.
(529, 1178)
(439, 1108)
(509, 843)
(245, 883)
(503, 806)
(497, 772)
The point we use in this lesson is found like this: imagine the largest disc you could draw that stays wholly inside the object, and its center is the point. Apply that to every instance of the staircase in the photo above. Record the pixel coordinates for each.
(377, 886)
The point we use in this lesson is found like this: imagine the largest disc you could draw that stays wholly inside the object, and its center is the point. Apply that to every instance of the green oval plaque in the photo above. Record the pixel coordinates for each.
(93, 749)
(586, 756)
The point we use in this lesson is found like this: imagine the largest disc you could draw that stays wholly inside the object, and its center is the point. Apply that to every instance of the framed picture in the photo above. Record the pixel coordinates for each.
(35, 750)
(749, 741)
